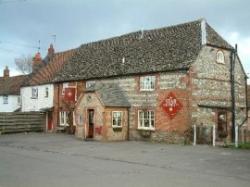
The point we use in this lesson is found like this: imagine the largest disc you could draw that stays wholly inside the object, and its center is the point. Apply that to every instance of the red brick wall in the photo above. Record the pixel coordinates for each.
(59, 103)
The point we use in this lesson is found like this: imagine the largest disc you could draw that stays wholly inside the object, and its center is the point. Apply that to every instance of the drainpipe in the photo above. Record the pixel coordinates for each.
(128, 126)
(232, 77)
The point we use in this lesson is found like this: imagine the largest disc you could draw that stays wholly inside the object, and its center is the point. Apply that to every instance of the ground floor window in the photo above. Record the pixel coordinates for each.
(63, 118)
(117, 119)
(146, 119)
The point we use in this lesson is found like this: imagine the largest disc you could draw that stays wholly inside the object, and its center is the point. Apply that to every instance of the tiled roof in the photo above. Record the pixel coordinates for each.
(110, 94)
(165, 49)
(11, 85)
(47, 73)
(215, 39)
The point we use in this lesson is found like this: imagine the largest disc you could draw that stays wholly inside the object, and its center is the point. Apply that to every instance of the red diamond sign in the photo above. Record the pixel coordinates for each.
(171, 105)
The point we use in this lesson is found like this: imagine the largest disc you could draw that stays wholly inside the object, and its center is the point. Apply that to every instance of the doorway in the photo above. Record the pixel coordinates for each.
(222, 125)
(49, 121)
(90, 123)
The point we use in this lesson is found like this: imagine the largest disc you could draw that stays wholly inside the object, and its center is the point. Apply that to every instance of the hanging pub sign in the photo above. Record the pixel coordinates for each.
(171, 105)
(69, 94)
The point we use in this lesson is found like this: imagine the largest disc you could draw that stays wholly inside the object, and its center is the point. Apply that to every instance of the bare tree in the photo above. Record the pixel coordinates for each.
(24, 64)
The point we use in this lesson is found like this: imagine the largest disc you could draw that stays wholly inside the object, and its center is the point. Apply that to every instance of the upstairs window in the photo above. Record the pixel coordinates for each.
(147, 83)
(46, 92)
(220, 57)
(19, 100)
(90, 84)
(5, 99)
(34, 93)
(116, 119)
(146, 119)
(65, 85)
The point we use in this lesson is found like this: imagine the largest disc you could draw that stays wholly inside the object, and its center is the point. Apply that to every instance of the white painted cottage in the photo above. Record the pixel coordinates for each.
(10, 100)
(38, 93)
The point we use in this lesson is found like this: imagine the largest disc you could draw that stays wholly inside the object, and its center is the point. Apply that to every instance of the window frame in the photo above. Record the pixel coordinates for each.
(46, 92)
(63, 115)
(5, 99)
(89, 83)
(220, 57)
(143, 83)
(19, 100)
(140, 127)
(121, 116)
(64, 85)
(34, 96)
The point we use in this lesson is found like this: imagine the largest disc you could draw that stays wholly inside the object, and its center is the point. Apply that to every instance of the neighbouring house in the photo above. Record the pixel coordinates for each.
(170, 79)
(10, 100)
(38, 93)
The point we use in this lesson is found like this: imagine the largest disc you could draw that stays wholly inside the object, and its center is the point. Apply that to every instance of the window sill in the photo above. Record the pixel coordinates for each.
(147, 90)
(117, 127)
(33, 98)
(218, 62)
(146, 129)
(63, 125)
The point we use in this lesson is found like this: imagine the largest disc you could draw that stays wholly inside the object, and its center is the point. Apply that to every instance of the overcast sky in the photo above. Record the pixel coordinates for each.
(74, 22)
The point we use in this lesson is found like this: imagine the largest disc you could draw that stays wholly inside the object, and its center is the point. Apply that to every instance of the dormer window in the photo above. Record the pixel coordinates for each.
(220, 57)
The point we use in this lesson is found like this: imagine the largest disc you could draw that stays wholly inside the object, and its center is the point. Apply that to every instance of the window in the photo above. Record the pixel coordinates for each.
(63, 118)
(220, 57)
(46, 92)
(90, 84)
(34, 93)
(117, 119)
(146, 120)
(19, 100)
(5, 99)
(147, 83)
(65, 85)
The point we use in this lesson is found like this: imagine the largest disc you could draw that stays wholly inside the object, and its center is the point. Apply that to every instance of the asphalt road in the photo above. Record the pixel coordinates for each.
(30, 160)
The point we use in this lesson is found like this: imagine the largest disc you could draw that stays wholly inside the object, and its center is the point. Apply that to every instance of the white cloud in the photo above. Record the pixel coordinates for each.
(243, 48)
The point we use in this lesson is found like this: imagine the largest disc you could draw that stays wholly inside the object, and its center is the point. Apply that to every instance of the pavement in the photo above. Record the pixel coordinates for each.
(41, 160)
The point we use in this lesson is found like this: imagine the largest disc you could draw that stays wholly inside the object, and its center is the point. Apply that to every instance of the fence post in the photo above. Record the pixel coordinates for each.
(214, 135)
(194, 140)
(236, 135)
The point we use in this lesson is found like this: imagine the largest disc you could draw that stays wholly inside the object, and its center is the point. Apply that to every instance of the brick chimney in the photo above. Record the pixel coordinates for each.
(6, 72)
(51, 51)
(37, 62)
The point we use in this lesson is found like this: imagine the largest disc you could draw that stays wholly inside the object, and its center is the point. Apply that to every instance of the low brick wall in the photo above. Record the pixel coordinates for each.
(14, 122)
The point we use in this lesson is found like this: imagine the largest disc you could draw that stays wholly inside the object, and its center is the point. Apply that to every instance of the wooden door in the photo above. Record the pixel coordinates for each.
(49, 121)
(91, 123)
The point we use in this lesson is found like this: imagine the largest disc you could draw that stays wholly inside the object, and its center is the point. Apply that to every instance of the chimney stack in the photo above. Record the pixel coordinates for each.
(51, 51)
(37, 62)
(6, 72)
